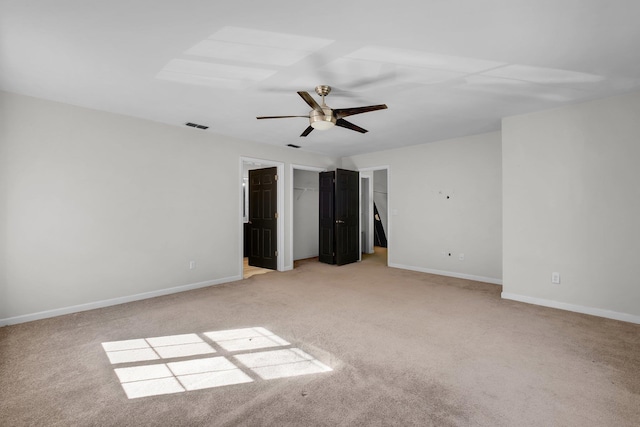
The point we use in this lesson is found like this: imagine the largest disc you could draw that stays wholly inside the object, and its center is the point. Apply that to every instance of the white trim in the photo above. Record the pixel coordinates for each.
(448, 274)
(280, 223)
(368, 224)
(625, 317)
(291, 168)
(113, 301)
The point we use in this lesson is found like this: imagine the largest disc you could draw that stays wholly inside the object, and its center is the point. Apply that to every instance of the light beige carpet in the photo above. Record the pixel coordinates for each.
(406, 348)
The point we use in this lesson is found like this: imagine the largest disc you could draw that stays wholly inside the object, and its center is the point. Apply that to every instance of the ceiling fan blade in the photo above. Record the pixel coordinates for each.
(344, 112)
(345, 124)
(309, 100)
(307, 131)
(368, 81)
(279, 117)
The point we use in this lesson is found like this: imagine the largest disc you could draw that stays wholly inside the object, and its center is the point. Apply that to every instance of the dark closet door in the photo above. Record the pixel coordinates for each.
(263, 203)
(326, 214)
(347, 216)
(339, 217)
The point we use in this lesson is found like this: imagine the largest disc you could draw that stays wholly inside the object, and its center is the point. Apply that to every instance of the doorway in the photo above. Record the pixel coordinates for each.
(303, 205)
(374, 189)
(247, 164)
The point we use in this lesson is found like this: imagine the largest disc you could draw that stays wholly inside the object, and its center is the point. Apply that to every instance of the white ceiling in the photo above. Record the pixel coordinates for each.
(445, 68)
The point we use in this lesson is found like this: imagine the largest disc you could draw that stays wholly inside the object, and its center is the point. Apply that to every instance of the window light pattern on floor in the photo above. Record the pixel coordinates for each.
(236, 361)
(156, 348)
(282, 363)
(246, 339)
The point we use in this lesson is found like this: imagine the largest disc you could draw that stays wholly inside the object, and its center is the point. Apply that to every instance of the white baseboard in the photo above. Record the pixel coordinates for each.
(572, 307)
(448, 274)
(113, 301)
(298, 257)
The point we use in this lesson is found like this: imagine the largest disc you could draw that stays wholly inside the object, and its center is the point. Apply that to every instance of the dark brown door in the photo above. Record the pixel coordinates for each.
(339, 217)
(327, 226)
(263, 203)
(347, 216)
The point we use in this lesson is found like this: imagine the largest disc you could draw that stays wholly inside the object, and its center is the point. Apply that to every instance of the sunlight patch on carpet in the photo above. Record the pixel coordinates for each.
(282, 363)
(246, 339)
(139, 350)
(236, 361)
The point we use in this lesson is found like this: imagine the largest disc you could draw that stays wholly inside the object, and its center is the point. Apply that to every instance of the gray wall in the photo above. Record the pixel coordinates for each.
(99, 208)
(572, 206)
(305, 214)
(424, 226)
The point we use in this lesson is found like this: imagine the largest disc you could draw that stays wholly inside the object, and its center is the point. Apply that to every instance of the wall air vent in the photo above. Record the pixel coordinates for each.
(197, 126)
(293, 146)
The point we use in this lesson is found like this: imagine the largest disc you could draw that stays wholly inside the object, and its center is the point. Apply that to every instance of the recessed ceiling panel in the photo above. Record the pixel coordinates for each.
(500, 88)
(258, 47)
(354, 67)
(357, 74)
(416, 58)
(247, 53)
(543, 75)
(270, 39)
(426, 75)
(210, 74)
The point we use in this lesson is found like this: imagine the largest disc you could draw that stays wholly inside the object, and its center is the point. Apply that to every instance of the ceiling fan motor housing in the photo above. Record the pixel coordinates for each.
(322, 120)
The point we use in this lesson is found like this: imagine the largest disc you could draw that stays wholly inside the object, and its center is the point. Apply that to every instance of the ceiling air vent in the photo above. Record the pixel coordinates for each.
(293, 146)
(197, 126)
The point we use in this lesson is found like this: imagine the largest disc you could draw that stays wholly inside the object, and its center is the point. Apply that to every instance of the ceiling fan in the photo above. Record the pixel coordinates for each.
(323, 117)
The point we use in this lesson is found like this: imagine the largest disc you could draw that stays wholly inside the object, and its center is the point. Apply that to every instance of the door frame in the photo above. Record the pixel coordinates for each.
(389, 212)
(292, 167)
(365, 219)
(281, 213)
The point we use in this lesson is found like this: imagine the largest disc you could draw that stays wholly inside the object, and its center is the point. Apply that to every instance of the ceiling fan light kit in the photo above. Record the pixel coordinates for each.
(322, 120)
(322, 117)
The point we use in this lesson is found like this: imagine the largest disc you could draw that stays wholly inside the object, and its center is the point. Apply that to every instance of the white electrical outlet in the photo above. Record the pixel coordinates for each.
(192, 265)
(555, 278)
